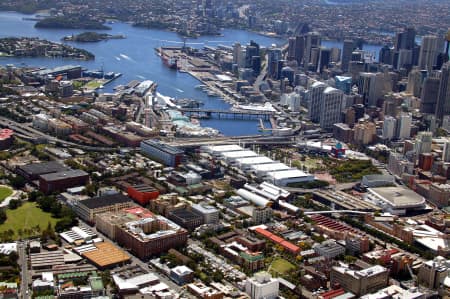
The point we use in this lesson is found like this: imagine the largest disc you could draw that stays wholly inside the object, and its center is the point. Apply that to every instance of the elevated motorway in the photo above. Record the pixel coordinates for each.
(237, 114)
(25, 131)
(243, 140)
(337, 212)
(31, 134)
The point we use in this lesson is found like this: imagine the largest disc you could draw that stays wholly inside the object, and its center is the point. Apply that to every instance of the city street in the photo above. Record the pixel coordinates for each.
(23, 261)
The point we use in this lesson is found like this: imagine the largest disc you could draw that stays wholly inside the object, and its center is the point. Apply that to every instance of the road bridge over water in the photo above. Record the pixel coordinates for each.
(234, 114)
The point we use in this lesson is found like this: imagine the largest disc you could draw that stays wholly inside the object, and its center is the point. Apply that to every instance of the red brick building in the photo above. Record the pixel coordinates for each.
(142, 193)
(60, 181)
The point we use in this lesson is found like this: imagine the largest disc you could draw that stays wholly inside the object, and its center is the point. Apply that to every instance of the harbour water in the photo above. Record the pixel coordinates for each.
(136, 59)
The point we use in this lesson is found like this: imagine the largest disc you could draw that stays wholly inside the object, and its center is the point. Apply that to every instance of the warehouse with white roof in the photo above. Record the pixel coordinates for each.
(246, 163)
(260, 170)
(218, 149)
(283, 178)
(231, 157)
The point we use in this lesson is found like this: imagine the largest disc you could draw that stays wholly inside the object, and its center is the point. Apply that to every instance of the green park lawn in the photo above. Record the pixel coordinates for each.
(27, 217)
(5, 192)
(93, 84)
(281, 266)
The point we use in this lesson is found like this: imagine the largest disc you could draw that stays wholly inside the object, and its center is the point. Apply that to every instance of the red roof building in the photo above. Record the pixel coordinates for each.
(278, 240)
(142, 193)
(6, 138)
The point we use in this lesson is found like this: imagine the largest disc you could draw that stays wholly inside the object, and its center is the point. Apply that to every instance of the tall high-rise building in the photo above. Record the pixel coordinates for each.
(300, 42)
(404, 59)
(447, 46)
(291, 49)
(429, 51)
(371, 86)
(415, 55)
(347, 50)
(314, 59)
(237, 52)
(404, 121)
(429, 94)
(415, 79)
(389, 125)
(256, 65)
(330, 107)
(315, 97)
(274, 56)
(386, 55)
(251, 50)
(405, 39)
(443, 101)
(335, 55)
(324, 59)
(313, 40)
(423, 143)
(446, 151)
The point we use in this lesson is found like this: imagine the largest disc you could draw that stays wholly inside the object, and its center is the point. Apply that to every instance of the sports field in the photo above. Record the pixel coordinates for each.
(281, 266)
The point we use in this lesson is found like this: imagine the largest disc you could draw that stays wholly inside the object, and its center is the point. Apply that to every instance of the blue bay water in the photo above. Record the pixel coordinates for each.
(136, 59)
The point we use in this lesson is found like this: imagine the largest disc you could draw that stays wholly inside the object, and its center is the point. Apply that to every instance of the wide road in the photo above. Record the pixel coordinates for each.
(23, 261)
(26, 129)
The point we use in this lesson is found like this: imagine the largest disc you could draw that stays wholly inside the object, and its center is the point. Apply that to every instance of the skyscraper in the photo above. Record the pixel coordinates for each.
(404, 59)
(429, 51)
(447, 46)
(405, 39)
(389, 125)
(429, 94)
(415, 79)
(404, 122)
(446, 151)
(330, 107)
(274, 56)
(300, 42)
(386, 55)
(315, 96)
(443, 101)
(423, 143)
(372, 87)
(251, 50)
(347, 50)
(313, 40)
(291, 49)
(237, 52)
(324, 59)
(256, 65)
